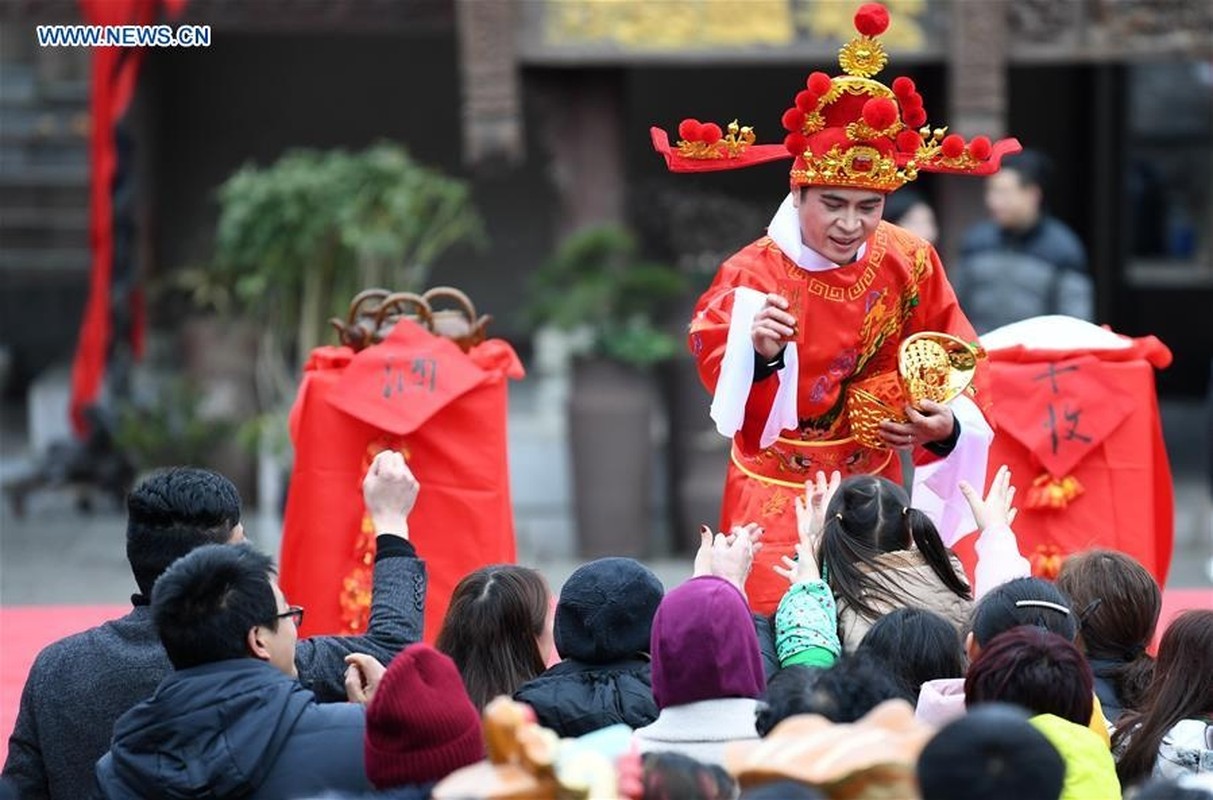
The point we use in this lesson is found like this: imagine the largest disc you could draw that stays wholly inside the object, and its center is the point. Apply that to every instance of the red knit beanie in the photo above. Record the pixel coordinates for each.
(420, 726)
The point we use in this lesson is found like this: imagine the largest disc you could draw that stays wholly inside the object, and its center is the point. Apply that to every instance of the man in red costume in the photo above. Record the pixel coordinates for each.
(796, 320)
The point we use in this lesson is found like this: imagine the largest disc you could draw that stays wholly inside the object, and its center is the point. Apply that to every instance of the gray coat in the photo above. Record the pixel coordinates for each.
(79, 686)
(1004, 277)
(236, 728)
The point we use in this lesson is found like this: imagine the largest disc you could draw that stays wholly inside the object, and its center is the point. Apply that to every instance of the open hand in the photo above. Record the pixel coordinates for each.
(730, 557)
(996, 508)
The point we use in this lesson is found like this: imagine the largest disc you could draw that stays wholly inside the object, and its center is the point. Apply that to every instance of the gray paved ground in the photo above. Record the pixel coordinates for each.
(57, 555)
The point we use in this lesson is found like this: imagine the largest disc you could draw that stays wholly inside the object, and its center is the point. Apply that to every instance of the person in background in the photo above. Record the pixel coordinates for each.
(1172, 733)
(79, 686)
(992, 753)
(909, 209)
(1022, 262)
(498, 629)
(674, 776)
(603, 624)
(420, 725)
(1047, 675)
(1018, 602)
(878, 554)
(707, 669)
(1118, 603)
(915, 645)
(845, 692)
(231, 719)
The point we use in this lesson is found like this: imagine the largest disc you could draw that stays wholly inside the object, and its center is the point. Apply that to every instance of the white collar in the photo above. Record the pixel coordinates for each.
(784, 231)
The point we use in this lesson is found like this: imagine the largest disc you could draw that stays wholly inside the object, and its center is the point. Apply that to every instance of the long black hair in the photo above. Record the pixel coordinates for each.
(867, 517)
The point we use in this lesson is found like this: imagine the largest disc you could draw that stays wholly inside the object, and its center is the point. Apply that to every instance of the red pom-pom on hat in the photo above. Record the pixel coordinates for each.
(796, 143)
(710, 133)
(980, 148)
(806, 101)
(872, 19)
(908, 141)
(914, 117)
(689, 130)
(819, 83)
(879, 113)
(912, 100)
(952, 145)
(903, 87)
(793, 119)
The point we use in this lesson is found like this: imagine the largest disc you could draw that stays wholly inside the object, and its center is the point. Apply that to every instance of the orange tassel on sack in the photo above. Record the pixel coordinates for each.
(1046, 562)
(1049, 492)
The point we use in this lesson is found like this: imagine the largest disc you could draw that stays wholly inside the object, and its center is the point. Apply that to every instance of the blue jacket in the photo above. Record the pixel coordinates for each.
(79, 686)
(236, 728)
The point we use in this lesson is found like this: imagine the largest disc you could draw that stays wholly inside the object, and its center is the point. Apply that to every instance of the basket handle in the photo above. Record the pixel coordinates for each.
(459, 297)
(398, 302)
(361, 299)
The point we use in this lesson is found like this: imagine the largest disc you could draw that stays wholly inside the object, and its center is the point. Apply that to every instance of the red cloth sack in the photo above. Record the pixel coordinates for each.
(1081, 432)
(446, 411)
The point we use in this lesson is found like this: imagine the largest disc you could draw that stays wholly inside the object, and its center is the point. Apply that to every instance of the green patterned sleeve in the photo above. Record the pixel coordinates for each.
(806, 626)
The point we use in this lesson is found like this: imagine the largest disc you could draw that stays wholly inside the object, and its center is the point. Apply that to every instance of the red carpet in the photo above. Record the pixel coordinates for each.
(25, 630)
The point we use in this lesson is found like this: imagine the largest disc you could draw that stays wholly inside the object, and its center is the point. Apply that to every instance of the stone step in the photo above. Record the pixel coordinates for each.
(22, 262)
(61, 186)
(40, 124)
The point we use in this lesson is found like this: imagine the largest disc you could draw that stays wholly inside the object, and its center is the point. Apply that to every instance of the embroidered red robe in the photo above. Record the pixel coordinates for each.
(852, 321)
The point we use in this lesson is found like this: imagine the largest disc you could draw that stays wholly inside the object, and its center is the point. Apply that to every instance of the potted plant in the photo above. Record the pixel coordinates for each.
(597, 285)
(297, 239)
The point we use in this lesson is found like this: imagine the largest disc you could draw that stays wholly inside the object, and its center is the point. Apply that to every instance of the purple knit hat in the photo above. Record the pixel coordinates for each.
(704, 646)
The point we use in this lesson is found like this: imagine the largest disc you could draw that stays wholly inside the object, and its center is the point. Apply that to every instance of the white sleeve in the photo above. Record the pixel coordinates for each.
(937, 485)
(737, 374)
(998, 559)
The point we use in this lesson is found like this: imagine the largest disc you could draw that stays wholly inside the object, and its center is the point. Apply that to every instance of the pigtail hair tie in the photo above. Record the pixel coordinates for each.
(905, 511)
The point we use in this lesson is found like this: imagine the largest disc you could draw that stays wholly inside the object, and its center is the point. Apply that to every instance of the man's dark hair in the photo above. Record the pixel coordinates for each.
(172, 512)
(844, 692)
(1036, 670)
(205, 604)
(915, 645)
(994, 753)
(1024, 601)
(674, 776)
(781, 790)
(1033, 167)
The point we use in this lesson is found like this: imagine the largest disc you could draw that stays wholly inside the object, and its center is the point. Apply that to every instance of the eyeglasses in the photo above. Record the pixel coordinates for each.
(294, 612)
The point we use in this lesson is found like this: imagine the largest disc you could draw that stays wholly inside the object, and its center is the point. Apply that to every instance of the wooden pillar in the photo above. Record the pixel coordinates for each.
(582, 117)
(977, 104)
(490, 83)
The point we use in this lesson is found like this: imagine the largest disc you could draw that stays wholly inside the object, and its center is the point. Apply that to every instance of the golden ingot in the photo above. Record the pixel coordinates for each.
(931, 366)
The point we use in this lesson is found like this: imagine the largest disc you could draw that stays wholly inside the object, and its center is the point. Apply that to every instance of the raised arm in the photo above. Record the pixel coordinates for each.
(397, 591)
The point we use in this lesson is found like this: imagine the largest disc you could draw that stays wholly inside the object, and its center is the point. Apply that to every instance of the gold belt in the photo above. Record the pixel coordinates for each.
(791, 462)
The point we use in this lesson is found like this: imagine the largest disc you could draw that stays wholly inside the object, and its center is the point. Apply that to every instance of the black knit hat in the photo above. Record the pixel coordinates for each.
(606, 610)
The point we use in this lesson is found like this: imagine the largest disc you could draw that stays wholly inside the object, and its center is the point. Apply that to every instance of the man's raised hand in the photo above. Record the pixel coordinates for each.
(389, 491)
(773, 327)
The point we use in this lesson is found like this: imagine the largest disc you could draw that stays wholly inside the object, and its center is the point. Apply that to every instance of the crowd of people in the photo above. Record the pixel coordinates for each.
(1018, 687)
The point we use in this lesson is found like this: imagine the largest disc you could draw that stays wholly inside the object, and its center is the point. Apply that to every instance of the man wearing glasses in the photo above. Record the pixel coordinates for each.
(230, 720)
(80, 685)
